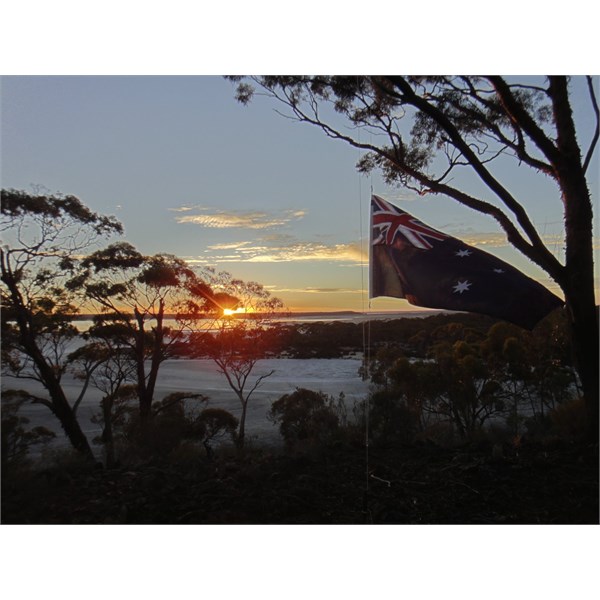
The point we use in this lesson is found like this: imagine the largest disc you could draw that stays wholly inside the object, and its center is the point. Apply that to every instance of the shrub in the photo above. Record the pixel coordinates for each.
(305, 417)
(214, 424)
(391, 419)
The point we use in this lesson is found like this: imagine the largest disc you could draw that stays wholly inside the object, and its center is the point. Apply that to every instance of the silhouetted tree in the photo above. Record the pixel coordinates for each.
(42, 234)
(136, 294)
(426, 129)
(109, 367)
(214, 424)
(238, 340)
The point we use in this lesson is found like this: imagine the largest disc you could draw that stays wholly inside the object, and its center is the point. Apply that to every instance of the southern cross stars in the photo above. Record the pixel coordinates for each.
(462, 286)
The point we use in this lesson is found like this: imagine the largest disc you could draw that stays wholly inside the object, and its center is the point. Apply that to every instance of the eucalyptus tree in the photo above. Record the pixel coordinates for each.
(422, 131)
(140, 295)
(41, 235)
(241, 336)
(107, 365)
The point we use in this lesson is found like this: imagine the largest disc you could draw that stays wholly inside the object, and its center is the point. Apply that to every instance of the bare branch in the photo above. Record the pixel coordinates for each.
(257, 383)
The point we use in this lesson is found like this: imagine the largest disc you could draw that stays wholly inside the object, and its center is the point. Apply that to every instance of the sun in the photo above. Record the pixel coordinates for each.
(228, 312)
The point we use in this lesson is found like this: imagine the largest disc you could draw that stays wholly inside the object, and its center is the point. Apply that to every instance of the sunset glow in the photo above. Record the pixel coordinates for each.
(228, 312)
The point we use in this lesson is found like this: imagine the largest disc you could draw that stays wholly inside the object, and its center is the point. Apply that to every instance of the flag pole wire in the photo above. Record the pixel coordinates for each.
(365, 338)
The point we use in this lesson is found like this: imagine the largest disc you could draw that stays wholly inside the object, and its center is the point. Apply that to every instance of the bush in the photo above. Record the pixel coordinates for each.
(391, 419)
(305, 417)
(214, 424)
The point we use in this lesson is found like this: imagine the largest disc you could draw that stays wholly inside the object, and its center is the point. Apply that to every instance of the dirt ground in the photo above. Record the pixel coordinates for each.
(424, 484)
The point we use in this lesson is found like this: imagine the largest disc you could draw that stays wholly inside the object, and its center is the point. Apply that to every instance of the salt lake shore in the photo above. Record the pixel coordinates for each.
(331, 376)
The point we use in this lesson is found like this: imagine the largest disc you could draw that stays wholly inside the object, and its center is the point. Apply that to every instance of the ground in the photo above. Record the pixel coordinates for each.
(554, 483)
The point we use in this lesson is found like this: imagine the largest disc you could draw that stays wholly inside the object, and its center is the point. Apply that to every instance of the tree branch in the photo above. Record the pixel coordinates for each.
(493, 184)
(592, 147)
(258, 382)
(519, 115)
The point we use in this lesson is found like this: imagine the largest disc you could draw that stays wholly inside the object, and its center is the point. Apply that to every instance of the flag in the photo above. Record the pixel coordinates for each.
(410, 260)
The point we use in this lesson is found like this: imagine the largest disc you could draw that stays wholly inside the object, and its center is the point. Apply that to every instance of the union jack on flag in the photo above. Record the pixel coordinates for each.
(389, 222)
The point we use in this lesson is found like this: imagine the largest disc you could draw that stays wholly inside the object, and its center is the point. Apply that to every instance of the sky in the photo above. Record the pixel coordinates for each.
(190, 171)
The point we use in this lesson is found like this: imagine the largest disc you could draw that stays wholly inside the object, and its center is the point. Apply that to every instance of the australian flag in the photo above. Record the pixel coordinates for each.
(410, 260)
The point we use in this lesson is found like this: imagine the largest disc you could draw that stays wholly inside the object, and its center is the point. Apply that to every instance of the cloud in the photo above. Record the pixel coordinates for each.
(403, 196)
(218, 219)
(276, 249)
(182, 209)
(493, 240)
(313, 290)
(554, 242)
(303, 252)
(277, 238)
(228, 246)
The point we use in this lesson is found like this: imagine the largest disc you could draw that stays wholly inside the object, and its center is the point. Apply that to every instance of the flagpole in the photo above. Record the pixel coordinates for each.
(367, 363)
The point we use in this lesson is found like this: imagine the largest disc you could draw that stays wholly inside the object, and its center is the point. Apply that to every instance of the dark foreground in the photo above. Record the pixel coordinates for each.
(547, 484)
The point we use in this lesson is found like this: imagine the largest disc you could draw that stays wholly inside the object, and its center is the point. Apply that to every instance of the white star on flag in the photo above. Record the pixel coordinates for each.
(498, 270)
(463, 253)
(462, 286)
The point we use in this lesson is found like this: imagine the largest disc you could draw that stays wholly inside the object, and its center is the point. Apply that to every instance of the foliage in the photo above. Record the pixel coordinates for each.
(305, 416)
(17, 439)
(134, 292)
(214, 424)
(507, 374)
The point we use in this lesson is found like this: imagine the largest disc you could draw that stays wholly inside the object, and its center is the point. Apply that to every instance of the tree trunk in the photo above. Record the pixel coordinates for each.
(578, 280)
(584, 337)
(68, 420)
(140, 364)
(107, 432)
(242, 427)
(578, 286)
(147, 385)
(157, 356)
(59, 404)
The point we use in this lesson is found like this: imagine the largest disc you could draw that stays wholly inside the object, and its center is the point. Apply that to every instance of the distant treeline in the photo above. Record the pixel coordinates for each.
(339, 339)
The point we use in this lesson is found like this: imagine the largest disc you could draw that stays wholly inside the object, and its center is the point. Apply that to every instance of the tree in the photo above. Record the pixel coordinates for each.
(43, 233)
(131, 291)
(109, 367)
(240, 337)
(426, 129)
